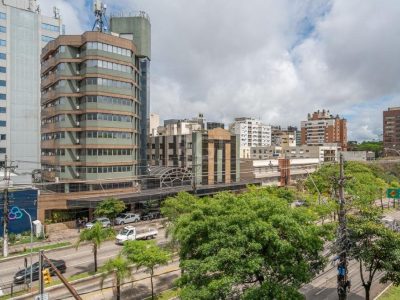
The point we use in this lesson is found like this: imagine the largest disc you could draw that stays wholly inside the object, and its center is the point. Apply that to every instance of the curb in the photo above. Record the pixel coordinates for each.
(384, 291)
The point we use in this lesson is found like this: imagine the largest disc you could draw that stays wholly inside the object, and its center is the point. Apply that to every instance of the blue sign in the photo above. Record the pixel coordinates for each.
(18, 220)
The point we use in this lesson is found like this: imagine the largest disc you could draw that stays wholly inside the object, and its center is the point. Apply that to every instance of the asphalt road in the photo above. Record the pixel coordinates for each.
(323, 287)
(77, 261)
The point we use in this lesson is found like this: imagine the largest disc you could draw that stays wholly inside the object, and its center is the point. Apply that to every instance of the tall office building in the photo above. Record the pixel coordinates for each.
(23, 33)
(391, 131)
(137, 27)
(90, 112)
(252, 133)
(323, 128)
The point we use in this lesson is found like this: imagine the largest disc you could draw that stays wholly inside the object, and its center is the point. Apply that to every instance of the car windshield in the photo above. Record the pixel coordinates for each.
(122, 216)
(124, 231)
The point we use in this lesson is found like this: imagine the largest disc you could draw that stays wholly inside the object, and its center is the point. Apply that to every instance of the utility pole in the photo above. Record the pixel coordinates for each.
(6, 179)
(343, 283)
(41, 283)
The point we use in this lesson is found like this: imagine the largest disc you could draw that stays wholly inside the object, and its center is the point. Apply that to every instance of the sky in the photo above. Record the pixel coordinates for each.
(276, 60)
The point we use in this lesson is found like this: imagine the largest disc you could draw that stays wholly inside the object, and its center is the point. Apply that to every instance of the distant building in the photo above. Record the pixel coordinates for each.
(213, 125)
(252, 133)
(358, 155)
(210, 155)
(153, 124)
(391, 131)
(283, 137)
(324, 153)
(23, 34)
(322, 127)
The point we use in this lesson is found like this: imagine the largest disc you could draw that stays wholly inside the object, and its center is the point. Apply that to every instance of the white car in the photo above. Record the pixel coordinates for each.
(127, 218)
(105, 222)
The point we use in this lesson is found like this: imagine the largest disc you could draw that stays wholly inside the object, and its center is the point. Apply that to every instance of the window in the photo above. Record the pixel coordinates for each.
(3, 16)
(2, 150)
(3, 29)
(3, 123)
(3, 43)
(2, 110)
(3, 69)
(3, 83)
(46, 38)
(50, 27)
(2, 137)
(3, 56)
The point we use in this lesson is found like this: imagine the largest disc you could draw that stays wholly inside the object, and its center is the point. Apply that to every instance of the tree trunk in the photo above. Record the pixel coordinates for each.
(95, 257)
(151, 280)
(367, 288)
(118, 289)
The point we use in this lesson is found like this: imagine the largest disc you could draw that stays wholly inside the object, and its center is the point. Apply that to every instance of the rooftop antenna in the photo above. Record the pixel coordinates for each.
(56, 12)
(99, 9)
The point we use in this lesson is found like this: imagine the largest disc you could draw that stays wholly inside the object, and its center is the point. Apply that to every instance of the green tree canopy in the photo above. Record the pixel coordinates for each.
(252, 245)
(146, 254)
(110, 208)
(96, 236)
(121, 269)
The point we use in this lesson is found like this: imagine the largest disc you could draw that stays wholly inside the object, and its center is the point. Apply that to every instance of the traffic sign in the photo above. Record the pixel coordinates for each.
(393, 193)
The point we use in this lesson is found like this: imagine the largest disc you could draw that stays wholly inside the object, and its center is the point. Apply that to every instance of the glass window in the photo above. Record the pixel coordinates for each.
(3, 43)
(3, 16)
(3, 123)
(2, 83)
(3, 69)
(2, 150)
(46, 38)
(2, 137)
(3, 96)
(3, 29)
(2, 110)
(3, 56)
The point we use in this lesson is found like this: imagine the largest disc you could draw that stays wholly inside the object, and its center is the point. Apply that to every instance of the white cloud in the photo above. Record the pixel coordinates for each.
(277, 60)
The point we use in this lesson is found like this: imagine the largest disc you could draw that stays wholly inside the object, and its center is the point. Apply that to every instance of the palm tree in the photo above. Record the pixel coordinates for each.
(95, 235)
(120, 267)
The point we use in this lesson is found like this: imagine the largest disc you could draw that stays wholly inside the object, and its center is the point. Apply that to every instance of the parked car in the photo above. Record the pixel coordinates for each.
(105, 222)
(127, 218)
(150, 215)
(20, 276)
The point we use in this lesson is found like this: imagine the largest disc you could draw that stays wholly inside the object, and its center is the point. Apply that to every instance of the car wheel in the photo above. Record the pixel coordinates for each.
(122, 223)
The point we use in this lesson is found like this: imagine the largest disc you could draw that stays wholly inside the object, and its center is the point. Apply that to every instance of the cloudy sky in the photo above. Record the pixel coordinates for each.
(275, 60)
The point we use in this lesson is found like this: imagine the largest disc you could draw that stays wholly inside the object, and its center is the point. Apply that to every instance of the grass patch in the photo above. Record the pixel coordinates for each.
(20, 293)
(166, 295)
(36, 249)
(391, 294)
(81, 275)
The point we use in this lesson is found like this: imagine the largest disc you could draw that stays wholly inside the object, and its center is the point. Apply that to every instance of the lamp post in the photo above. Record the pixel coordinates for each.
(30, 223)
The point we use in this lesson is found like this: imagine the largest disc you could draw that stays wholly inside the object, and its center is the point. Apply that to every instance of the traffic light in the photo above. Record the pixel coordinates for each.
(46, 276)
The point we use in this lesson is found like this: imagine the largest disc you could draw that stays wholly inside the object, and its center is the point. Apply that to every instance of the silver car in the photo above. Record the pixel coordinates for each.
(127, 218)
(105, 222)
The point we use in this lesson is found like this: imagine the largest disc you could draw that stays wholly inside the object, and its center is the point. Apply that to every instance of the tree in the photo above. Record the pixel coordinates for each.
(110, 208)
(252, 245)
(121, 268)
(146, 254)
(95, 235)
(375, 247)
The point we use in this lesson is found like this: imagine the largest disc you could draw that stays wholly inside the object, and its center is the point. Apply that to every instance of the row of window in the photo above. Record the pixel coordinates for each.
(58, 152)
(104, 152)
(3, 69)
(106, 100)
(91, 63)
(108, 135)
(50, 27)
(3, 16)
(3, 29)
(113, 169)
(3, 83)
(106, 117)
(47, 39)
(3, 56)
(108, 48)
(53, 136)
(55, 119)
(2, 110)
(3, 123)
(3, 43)
(108, 82)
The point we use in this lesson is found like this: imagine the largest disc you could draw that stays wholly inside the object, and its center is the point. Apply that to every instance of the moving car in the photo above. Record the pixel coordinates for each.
(130, 233)
(105, 222)
(127, 218)
(20, 276)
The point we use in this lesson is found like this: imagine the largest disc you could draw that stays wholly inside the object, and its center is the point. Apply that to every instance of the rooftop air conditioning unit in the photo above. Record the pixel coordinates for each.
(77, 123)
(77, 107)
(77, 141)
(77, 174)
(77, 157)
(77, 90)
(77, 55)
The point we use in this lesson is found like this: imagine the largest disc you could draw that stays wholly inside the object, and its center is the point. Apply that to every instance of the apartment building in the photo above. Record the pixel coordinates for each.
(283, 137)
(211, 156)
(252, 133)
(322, 127)
(23, 33)
(90, 111)
(391, 131)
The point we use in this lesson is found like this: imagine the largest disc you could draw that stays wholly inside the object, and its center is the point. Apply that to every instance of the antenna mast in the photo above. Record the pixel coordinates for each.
(99, 9)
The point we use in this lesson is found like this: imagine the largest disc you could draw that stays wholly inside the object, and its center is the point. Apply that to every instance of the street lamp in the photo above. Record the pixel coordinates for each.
(30, 223)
